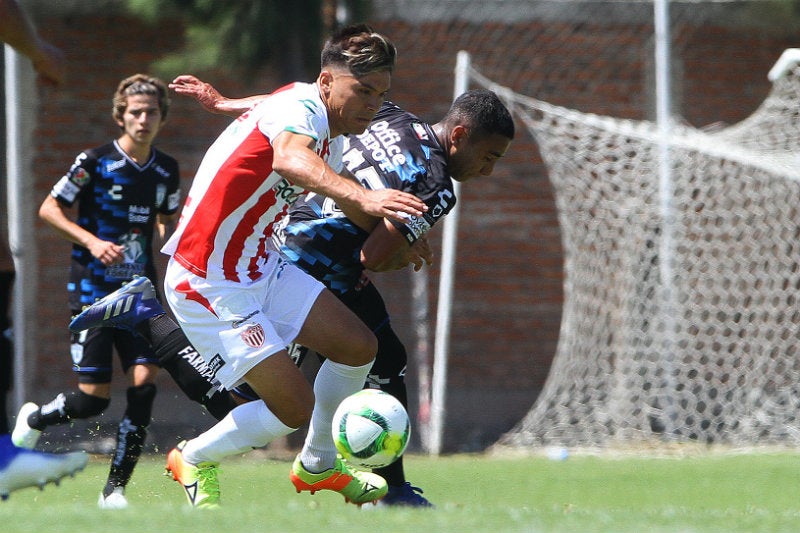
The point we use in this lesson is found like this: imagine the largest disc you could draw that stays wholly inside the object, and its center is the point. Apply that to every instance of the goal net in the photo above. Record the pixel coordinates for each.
(680, 318)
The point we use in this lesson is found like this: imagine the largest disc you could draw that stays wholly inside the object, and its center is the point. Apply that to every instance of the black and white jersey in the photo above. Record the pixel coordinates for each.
(117, 200)
(397, 151)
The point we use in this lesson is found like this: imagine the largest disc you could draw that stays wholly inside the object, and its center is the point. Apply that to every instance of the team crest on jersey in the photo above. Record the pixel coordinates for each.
(80, 177)
(420, 130)
(253, 336)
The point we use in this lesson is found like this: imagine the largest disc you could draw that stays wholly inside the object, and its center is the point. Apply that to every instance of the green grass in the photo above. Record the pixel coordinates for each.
(473, 493)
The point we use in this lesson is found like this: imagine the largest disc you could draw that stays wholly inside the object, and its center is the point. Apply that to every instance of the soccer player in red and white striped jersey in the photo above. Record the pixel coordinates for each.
(240, 304)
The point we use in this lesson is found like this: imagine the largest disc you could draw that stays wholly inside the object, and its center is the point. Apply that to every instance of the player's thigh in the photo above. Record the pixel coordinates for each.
(139, 361)
(92, 351)
(285, 390)
(334, 331)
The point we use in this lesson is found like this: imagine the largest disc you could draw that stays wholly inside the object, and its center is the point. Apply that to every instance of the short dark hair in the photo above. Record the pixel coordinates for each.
(140, 84)
(360, 49)
(482, 112)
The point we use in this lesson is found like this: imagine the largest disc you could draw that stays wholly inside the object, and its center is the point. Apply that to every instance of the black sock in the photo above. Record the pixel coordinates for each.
(131, 434)
(393, 474)
(130, 441)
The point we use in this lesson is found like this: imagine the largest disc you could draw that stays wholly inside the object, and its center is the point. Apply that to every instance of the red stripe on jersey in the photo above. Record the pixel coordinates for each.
(246, 228)
(237, 179)
(184, 288)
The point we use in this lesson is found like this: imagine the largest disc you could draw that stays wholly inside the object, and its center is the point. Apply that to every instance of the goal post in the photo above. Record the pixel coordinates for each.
(435, 432)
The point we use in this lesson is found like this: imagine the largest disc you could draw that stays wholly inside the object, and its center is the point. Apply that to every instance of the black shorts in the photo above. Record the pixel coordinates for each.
(92, 352)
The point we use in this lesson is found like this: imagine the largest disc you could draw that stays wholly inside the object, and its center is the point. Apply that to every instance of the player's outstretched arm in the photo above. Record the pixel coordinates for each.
(295, 160)
(17, 30)
(210, 98)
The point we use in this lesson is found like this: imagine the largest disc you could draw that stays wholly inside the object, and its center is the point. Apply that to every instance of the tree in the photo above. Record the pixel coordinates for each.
(243, 36)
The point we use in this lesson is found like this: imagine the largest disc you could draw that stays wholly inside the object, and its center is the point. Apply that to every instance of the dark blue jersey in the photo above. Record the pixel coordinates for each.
(118, 201)
(397, 151)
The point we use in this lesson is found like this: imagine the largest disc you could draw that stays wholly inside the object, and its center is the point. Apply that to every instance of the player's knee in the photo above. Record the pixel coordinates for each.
(363, 347)
(221, 403)
(299, 413)
(78, 404)
(140, 403)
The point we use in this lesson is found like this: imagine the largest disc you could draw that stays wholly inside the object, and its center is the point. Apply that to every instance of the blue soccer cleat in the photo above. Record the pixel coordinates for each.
(124, 308)
(21, 468)
(405, 495)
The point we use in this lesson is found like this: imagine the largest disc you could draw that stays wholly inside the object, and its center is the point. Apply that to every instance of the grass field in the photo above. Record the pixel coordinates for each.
(473, 493)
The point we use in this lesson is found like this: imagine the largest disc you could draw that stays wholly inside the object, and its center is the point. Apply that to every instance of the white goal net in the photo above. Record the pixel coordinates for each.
(680, 317)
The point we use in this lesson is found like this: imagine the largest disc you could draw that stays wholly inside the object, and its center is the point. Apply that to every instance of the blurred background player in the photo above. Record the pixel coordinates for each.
(126, 193)
(19, 467)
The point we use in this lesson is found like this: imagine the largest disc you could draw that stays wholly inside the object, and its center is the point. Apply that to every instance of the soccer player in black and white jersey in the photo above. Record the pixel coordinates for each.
(126, 193)
(397, 151)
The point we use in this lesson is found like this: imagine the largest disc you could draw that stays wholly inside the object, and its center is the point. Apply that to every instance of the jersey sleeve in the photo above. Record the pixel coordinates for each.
(286, 111)
(172, 202)
(440, 199)
(69, 187)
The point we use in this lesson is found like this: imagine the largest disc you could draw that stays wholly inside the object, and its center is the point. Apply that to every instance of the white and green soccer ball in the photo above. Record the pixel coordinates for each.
(371, 429)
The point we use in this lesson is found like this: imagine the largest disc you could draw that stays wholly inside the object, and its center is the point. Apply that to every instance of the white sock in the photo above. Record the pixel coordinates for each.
(334, 383)
(248, 426)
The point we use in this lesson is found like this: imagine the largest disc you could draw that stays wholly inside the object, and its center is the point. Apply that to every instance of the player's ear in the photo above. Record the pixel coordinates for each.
(325, 80)
(458, 135)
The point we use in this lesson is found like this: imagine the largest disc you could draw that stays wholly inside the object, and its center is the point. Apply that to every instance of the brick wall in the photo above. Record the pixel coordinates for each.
(508, 289)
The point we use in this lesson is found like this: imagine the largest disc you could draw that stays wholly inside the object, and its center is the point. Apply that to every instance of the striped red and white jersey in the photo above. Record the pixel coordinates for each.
(236, 198)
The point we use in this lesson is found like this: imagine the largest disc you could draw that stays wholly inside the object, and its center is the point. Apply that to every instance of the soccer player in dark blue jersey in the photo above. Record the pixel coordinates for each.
(398, 151)
(126, 193)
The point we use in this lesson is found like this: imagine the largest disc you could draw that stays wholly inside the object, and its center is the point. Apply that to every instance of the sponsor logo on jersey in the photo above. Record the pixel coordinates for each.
(253, 336)
(287, 192)
(115, 165)
(206, 369)
(138, 214)
(66, 189)
(239, 323)
(161, 171)
(381, 142)
(419, 129)
(446, 201)
(417, 226)
(80, 177)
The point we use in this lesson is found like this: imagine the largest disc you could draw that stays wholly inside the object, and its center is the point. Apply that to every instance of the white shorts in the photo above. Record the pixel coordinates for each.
(235, 325)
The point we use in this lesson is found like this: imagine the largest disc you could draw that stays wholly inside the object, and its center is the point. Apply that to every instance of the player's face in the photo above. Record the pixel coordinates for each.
(352, 102)
(142, 118)
(470, 158)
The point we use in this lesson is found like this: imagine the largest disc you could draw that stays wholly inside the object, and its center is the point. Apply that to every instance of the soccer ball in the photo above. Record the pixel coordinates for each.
(371, 429)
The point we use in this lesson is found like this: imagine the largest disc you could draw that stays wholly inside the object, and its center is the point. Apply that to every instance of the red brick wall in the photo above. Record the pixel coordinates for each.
(508, 288)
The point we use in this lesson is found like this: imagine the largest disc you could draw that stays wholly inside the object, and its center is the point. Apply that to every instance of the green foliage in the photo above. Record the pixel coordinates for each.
(240, 37)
